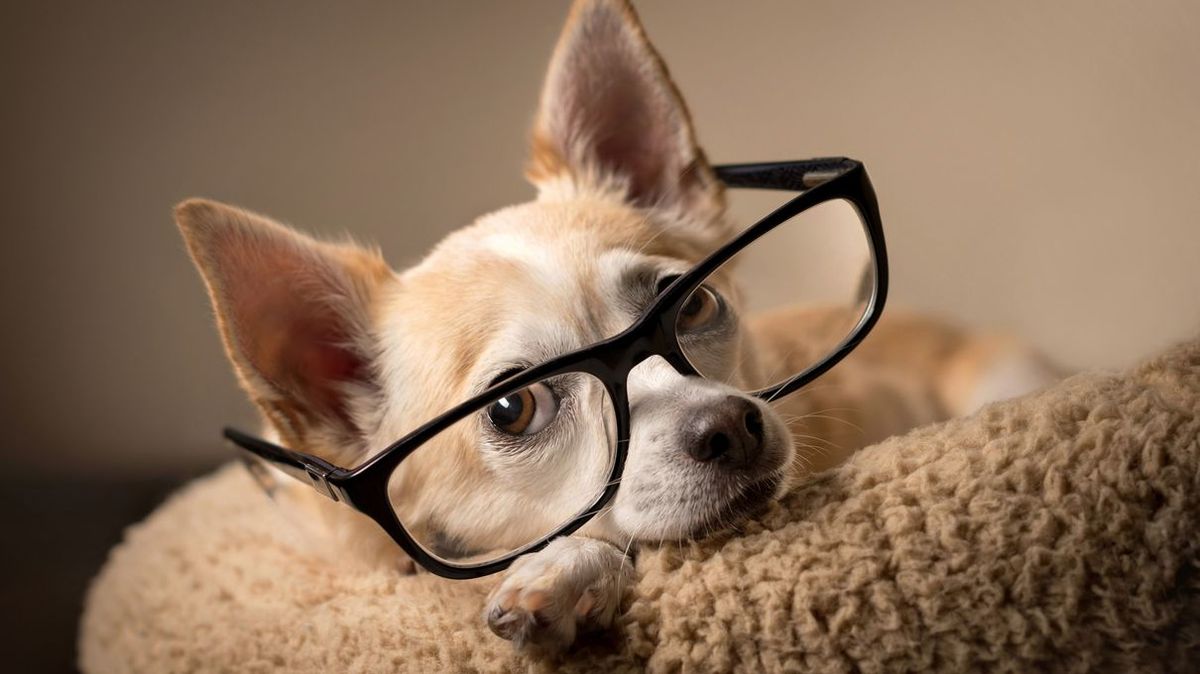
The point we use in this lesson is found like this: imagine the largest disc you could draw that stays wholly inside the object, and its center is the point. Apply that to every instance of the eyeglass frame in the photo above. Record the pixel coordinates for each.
(365, 487)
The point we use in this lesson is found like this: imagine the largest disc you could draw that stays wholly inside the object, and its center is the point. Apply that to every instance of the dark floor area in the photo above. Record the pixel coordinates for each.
(57, 535)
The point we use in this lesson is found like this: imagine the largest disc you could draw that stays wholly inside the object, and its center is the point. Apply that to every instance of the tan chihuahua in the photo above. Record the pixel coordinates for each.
(343, 355)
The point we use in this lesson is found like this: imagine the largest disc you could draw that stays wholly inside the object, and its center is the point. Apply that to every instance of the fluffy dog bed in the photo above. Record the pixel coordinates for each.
(1057, 532)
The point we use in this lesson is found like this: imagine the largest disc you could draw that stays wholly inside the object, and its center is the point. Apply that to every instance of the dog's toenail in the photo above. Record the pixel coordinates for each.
(504, 625)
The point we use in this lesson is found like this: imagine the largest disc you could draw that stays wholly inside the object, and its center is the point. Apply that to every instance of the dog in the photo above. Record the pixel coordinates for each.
(343, 355)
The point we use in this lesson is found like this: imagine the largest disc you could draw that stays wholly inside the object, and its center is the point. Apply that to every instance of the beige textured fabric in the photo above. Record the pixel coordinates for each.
(1059, 532)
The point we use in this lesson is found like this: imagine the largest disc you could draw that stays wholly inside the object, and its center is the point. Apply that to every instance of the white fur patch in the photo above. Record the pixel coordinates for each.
(1009, 376)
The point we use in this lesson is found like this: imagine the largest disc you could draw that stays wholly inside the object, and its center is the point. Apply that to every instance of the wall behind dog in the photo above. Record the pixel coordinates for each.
(1037, 165)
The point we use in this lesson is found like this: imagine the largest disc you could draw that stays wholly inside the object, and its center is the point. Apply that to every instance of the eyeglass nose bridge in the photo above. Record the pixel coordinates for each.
(644, 341)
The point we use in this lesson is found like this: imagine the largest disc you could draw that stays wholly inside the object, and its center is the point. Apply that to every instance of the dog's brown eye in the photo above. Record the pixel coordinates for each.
(699, 310)
(525, 412)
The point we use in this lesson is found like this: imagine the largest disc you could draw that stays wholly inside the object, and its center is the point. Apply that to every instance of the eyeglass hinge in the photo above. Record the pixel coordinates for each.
(320, 481)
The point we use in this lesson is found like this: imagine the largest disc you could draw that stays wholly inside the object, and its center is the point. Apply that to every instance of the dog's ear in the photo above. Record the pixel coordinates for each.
(610, 114)
(295, 317)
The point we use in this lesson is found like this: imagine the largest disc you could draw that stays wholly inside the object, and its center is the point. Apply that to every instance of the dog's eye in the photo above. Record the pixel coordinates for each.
(525, 412)
(699, 310)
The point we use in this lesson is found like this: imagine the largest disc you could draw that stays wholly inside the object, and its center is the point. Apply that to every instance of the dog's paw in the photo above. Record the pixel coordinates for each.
(573, 585)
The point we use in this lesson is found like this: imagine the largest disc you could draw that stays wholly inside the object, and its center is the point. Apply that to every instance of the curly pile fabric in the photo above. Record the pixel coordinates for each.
(1059, 532)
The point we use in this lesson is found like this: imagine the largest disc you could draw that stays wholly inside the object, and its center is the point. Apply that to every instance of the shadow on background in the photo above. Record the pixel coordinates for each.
(58, 532)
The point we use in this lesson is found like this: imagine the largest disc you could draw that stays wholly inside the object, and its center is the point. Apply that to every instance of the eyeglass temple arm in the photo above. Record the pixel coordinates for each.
(308, 469)
(789, 175)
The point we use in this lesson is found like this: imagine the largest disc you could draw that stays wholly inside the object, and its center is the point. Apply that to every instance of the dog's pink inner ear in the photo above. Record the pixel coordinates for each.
(609, 108)
(633, 137)
(294, 312)
(291, 332)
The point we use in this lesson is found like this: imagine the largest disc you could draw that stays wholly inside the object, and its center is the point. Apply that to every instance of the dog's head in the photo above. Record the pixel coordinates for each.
(343, 355)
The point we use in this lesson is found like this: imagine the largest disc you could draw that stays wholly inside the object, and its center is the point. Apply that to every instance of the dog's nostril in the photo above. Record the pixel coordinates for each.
(754, 424)
(717, 445)
(731, 431)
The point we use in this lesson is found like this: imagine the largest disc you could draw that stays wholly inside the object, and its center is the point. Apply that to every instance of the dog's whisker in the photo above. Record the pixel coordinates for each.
(605, 510)
(648, 242)
(834, 409)
(807, 390)
(820, 451)
(839, 420)
(625, 558)
(803, 461)
(816, 439)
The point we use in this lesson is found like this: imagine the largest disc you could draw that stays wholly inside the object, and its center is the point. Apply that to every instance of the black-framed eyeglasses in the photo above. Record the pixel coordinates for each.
(689, 322)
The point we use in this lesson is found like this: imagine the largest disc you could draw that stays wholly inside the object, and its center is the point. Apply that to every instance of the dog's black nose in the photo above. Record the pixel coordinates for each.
(730, 431)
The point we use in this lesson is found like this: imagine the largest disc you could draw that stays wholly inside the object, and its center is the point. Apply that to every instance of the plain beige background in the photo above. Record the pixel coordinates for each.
(1037, 165)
